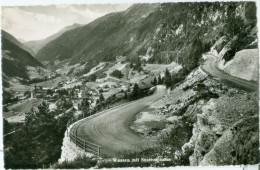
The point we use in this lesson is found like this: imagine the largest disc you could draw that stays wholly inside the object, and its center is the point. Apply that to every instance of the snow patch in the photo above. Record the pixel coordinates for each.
(148, 55)
(157, 31)
(179, 29)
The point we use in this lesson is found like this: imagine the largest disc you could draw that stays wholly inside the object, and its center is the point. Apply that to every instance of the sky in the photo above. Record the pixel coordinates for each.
(38, 22)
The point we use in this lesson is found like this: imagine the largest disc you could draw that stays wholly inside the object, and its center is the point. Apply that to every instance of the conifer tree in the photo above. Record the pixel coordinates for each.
(135, 92)
(159, 79)
(101, 97)
(167, 78)
(155, 81)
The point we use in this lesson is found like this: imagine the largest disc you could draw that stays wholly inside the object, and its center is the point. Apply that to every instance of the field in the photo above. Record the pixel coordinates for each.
(19, 88)
(111, 92)
(17, 111)
(53, 83)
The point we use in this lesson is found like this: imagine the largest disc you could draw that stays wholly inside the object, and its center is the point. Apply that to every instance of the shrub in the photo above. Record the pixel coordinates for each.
(117, 74)
(7, 97)
(27, 93)
(40, 140)
(79, 162)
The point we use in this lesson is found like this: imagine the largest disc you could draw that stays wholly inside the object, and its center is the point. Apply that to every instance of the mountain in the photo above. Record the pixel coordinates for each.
(21, 40)
(96, 40)
(161, 33)
(16, 42)
(38, 44)
(18, 65)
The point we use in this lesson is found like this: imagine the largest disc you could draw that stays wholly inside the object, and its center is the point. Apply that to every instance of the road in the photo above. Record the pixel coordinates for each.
(111, 129)
(210, 67)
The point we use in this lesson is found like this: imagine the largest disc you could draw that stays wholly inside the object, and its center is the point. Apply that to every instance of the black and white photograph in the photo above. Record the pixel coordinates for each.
(133, 84)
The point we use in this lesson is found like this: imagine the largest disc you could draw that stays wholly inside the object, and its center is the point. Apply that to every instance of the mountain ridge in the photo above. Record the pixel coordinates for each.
(142, 26)
(36, 45)
(18, 65)
(12, 39)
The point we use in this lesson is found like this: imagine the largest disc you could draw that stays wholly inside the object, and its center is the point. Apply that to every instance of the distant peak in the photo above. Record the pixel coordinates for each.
(74, 25)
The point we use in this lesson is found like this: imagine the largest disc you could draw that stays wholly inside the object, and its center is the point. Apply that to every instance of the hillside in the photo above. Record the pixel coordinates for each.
(91, 41)
(18, 43)
(149, 32)
(38, 44)
(18, 65)
(212, 115)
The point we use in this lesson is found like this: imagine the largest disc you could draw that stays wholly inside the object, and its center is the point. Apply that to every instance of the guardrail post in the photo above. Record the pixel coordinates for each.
(74, 138)
(67, 130)
(98, 151)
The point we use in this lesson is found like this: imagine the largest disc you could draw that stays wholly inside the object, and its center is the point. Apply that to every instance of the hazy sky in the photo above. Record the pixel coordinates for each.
(39, 22)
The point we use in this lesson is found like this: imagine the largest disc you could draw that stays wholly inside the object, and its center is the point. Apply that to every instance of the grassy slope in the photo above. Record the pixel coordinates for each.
(15, 60)
(91, 40)
(16, 42)
(37, 45)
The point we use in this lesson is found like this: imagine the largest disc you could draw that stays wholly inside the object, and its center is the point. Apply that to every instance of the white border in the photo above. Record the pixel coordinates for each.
(52, 2)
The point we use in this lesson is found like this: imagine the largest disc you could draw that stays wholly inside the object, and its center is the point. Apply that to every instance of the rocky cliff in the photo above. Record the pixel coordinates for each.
(223, 122)
(245, 65)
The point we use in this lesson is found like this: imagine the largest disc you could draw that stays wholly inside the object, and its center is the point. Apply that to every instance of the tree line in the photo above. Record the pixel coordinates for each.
(169, 80)
(38, 142)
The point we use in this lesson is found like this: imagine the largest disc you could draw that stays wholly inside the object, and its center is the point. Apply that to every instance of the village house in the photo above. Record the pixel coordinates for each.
(39, 92)
(84, 92)
(76, 104)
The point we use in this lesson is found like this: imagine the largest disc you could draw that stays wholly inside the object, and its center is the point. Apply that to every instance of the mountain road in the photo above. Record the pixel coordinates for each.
(210, 67)
(111, 129)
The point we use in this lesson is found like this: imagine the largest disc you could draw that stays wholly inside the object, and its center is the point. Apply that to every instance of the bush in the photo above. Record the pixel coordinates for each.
(78, 163)
(36, 80)
(117, 74)
(64, 103)
(38, 141)
(7, 97)
(91, 77)
(27, 93)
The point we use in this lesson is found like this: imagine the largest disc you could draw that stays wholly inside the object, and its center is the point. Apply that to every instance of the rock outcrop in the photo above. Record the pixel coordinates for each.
(226, 132)
(244, 65)
(225, 121)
